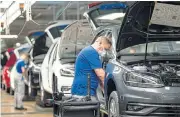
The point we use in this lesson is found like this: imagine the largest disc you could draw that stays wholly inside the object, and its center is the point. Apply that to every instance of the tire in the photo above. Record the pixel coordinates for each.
(113, 105)
(26, 90)
(41, 97)
(31, 91)
(11, 91)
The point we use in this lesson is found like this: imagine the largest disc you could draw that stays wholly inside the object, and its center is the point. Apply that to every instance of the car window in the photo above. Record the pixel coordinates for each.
(48, 41)
(52, 55)
(55, 52)
(51, 51)
(104, 16)
(57, 31)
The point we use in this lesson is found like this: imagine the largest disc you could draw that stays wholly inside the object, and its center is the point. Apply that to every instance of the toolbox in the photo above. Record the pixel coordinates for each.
(71, 107)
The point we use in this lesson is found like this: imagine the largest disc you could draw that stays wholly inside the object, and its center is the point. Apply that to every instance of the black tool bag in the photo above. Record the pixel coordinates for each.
(73, 107)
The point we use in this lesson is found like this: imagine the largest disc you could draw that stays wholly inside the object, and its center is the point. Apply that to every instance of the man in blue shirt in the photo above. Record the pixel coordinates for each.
(88, 62)
(19, 74)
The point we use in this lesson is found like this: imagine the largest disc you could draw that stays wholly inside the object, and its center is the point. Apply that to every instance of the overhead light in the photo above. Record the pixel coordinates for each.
(8, 36)
(112, 16)
(21, 6)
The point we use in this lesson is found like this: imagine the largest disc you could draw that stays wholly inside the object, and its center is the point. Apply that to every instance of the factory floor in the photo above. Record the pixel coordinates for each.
(7, 108)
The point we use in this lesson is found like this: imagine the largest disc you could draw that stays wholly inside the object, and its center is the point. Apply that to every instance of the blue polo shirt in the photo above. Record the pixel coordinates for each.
(87, 60)
(19, 65)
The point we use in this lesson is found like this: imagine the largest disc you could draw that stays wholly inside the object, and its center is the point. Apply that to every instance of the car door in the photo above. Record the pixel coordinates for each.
(45, 66)
(50, 65)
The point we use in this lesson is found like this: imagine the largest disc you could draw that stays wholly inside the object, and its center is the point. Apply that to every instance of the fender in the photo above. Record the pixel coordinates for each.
(109, 69)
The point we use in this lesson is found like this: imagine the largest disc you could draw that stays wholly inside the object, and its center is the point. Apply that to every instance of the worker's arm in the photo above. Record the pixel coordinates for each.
(23, 71)
(101, 75)
(96, 65)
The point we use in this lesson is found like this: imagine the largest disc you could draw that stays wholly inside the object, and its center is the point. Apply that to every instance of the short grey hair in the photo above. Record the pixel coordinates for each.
(105, 38)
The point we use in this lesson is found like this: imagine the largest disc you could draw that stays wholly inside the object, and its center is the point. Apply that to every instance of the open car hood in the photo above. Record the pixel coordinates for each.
(74, 38)
(149, 22)
(139, 22)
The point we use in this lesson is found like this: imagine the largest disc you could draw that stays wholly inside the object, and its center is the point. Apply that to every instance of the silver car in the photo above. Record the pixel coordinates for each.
(143, 66)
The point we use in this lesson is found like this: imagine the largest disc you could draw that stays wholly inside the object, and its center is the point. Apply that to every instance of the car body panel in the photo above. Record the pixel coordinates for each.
(65, 54)
(152, 102)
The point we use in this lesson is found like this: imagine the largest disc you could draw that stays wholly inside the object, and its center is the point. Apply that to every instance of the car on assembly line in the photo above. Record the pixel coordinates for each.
(40, 47)
(143, 65)
(58, 66)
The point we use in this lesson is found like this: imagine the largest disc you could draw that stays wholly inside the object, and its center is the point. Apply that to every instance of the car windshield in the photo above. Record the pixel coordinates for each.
(57, 31)
(154, 48)
(106, 17)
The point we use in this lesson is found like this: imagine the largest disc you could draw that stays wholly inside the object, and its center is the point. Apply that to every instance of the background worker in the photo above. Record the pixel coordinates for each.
(19, 75)
(88, 62)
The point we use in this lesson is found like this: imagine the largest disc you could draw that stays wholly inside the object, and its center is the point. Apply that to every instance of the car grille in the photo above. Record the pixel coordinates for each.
(167, 112)
(173, 81)
(153, 110)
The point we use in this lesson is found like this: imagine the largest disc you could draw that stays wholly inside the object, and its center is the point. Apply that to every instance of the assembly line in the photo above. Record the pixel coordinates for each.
(121, 60)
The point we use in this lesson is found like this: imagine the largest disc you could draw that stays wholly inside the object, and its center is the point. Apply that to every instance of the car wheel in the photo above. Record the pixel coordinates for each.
(42, 96)
(31, 91)
(113, 105)
(11, 91)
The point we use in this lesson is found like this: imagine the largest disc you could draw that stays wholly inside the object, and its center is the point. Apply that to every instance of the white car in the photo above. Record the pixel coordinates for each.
(57, 70)
(51, 33)
(22, 49)
(40, 47)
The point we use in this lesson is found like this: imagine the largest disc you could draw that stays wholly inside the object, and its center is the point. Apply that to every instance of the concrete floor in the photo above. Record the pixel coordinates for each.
(7, 108)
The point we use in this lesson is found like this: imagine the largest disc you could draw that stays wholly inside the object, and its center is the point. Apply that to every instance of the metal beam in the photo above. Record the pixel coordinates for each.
(13, 12)
(8, 36)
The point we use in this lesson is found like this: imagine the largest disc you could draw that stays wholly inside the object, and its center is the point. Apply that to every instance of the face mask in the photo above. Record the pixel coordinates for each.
(102, 53)
(26, 61)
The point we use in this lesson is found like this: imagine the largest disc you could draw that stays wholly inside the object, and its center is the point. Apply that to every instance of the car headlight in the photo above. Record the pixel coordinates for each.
(67, 72)
(142, 80)
(65, 88)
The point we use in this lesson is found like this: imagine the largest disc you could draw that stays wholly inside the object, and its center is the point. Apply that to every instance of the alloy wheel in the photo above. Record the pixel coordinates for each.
(113, 109)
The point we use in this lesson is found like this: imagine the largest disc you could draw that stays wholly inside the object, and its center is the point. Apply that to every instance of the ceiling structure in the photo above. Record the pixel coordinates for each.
(43, 12)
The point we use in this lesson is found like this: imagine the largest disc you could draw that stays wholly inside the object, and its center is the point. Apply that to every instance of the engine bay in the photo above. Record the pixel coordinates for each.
(168, 72)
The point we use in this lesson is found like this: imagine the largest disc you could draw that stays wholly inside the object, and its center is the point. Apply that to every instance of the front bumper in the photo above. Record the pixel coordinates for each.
(152, 102)
(64, 85)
